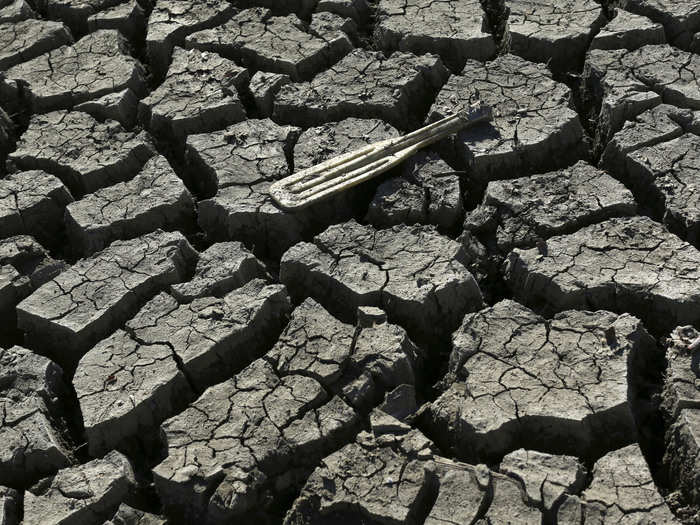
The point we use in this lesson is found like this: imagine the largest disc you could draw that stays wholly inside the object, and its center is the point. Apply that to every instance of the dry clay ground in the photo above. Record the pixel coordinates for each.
(498, 331)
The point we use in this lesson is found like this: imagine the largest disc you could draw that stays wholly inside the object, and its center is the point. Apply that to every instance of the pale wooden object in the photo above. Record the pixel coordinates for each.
(345, 171)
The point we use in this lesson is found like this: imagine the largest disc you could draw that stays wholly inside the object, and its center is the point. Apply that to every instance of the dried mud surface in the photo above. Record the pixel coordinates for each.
(504, 329)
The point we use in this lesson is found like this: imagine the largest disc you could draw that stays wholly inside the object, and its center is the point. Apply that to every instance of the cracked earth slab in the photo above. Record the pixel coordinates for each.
(221, 268)
(74, 13)
(199, 94)
(120, 106)
(25, 40)
(264, 87)
(624, 264)
(30, 259)
(16, 11)
(659, 124)
(24, 266)
(621, 84)
(680, 19)
(395, 475)
(681, 410)
(243, 154)
(129, 18)
(95, 65)
(246, 158)
(412, 272)
(621, 491)
(522, 212)
(563, 386)
(172, 20)
(657, 155)
(327, 25)
(364, 84)
(32, 432)
(126, 515)
(286, 45)
(453, 29)
(278, 416)
(368, 481)
(556, 32)
(69, 314)
(546, 477)
(82, 495)
(534, 128)
(628, 31)
(427, 192)
(155, 198)
(129, 383)
(85, 154)
(666, 175)
(32, 202)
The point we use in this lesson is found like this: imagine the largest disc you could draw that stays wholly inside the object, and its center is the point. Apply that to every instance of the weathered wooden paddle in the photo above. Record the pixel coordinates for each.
(332, 176)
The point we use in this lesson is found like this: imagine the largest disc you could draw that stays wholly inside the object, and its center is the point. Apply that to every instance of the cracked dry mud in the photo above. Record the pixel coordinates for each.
(95, 65)
(427, 192)
(558, 32)
(567, 385)
(503, 329)
(534, 127)
(453, 29)
(413, 272)
(84, 153)
(284, 45)
(519, 213)
(199, 94)
(621, 84)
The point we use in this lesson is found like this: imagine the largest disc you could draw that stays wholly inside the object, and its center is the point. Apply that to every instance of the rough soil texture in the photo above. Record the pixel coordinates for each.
(364, 84)
(95, 65)
(32, 202)
(199, 94)
(413, 272)
(278, 415)
(515, 379)
(285, 45)
(25, 265)
(35, 439)
(557, 32)
(628, 264)
(681, 20)
(172, 20)
(84, 153)
(502, 329)
(80, 306)
(681, 410)
(656, 155)
(427, 192)
(521, 213)
(129, 18)
(534, 128)
(453, 29)
(628, 31)
(22, 41)
(154, 198)
(620, 84)
(167, 353)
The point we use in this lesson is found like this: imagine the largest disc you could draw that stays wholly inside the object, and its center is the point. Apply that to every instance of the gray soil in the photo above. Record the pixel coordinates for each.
(503, 329)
